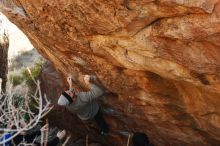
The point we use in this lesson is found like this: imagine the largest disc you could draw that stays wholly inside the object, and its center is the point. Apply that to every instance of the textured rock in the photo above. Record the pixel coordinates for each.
(159, 58)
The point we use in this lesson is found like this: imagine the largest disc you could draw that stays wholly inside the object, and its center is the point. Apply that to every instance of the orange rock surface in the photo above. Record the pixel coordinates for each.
(160, 58)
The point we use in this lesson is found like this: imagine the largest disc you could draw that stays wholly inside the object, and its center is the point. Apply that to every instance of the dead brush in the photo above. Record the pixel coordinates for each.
(19, 114)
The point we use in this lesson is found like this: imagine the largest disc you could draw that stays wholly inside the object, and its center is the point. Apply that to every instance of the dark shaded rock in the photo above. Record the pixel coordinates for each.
(4, 45)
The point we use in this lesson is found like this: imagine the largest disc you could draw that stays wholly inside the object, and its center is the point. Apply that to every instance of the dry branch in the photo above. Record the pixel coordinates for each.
(14, 113)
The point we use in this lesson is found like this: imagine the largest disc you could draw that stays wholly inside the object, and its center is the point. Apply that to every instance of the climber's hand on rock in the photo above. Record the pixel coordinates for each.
(87, 79)
(69, 80)
(90, 78)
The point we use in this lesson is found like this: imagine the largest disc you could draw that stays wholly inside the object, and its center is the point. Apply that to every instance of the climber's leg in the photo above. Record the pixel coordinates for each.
(101, 122)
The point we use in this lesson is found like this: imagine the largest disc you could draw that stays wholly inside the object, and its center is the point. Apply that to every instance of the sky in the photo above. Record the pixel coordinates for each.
(18, 42)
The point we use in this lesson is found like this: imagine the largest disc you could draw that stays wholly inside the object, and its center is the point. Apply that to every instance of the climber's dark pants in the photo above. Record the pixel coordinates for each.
(101, 121)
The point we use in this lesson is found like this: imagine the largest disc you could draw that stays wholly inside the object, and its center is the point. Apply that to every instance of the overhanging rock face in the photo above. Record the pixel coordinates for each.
(161, 58)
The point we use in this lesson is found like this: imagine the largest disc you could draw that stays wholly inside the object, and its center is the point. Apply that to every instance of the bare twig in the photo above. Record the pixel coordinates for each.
(46, 135)
(87, 140)
(67, 139)
(19, 114)
(0, 85)
(129, 137)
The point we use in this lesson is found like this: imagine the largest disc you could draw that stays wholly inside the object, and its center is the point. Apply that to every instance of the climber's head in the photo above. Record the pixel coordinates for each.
(66, 97)
(140, 139)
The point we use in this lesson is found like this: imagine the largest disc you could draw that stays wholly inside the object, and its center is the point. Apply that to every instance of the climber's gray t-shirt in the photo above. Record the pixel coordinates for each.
(86, 106)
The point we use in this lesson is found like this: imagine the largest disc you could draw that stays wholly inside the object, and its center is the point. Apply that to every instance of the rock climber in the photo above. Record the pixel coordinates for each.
(84, 104)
